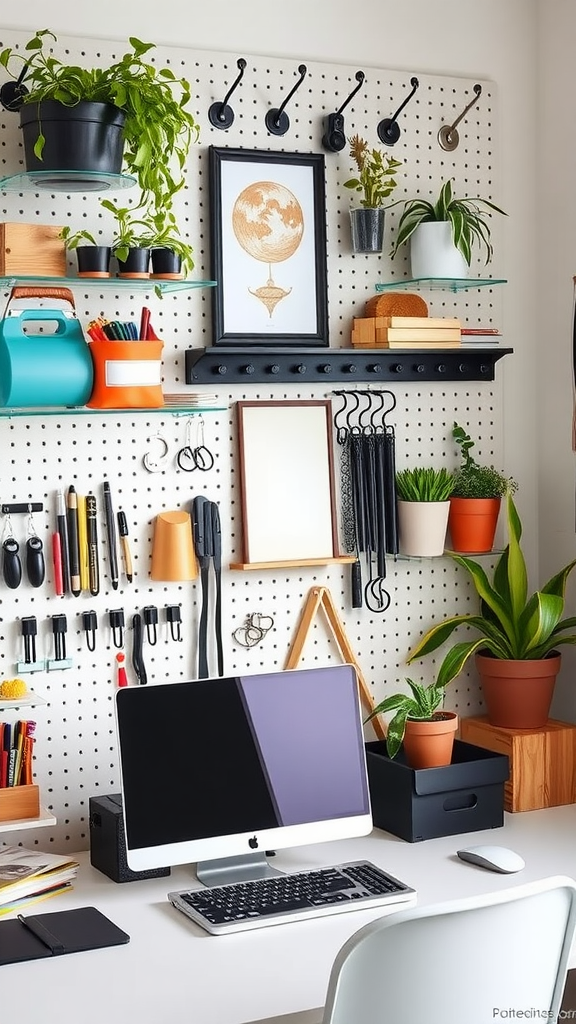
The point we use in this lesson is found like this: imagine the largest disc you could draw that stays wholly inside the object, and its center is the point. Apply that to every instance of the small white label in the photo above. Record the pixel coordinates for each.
(133, 373)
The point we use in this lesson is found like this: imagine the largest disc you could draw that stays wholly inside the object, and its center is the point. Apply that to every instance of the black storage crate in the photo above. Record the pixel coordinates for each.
(415, 804)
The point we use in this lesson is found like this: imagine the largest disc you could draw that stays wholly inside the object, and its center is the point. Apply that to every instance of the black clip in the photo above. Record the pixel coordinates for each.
(174, 618)
(29, 627)
(116, 617)
(59, 628)
(90, 625)
(150, 614)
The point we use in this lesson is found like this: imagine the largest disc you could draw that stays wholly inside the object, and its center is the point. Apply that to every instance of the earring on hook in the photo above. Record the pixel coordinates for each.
(11, 564)
(35, 567)
(159, 463)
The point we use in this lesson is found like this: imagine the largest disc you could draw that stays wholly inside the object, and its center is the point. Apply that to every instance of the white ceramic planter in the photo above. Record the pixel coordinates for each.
(422, 527)
(433, 253)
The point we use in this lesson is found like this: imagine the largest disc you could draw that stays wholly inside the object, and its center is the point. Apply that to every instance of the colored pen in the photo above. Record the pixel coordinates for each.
(62, 527)
(73, 547)
(92, 534)
(124, 543)
(111, 535)
(83, 543)
(57, 563)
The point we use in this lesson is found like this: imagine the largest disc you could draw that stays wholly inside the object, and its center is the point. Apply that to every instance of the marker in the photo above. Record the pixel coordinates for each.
(62, 527)
(57, 563)
(123, 531)
(92, 533)
(74, 550)
(111, 534)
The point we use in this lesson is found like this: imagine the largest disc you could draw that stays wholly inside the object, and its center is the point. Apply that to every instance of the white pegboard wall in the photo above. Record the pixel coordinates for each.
(76, 754)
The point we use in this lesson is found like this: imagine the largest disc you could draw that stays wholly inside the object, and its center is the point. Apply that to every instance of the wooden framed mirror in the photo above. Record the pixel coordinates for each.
(287, 481)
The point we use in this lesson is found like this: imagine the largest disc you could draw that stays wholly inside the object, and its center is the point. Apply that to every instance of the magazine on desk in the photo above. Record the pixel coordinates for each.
(30, 873)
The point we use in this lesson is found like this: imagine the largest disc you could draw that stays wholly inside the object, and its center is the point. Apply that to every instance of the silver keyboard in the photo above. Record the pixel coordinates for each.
(291, 897)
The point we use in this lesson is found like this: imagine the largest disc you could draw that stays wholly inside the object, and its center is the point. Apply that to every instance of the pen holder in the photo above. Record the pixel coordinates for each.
(127, 375)
(173, 557)
(19, 803)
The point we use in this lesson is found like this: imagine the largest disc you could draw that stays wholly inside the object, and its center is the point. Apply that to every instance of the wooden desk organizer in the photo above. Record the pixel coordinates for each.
(19, 802)
(542, 761)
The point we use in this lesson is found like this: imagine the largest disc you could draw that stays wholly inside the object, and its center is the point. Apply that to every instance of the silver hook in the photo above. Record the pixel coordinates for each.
(448, 136)
(30, 528)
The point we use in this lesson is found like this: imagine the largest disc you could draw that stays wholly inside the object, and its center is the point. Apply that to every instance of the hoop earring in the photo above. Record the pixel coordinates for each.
(157, 465)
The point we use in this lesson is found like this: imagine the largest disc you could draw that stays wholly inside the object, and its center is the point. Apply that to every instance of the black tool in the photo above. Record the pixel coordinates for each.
(137, 645)
(59, 627)
(90, 625)
(150, 613)
(116, 617)
(35, 567)
(11, 564)
(174, 618)
(29, 627)
(111, 536)
(208, 546)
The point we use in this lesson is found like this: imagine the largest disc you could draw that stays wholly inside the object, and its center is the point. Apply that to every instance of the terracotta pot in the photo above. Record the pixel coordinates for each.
(429, 744)
(518, 694)
(472, 523)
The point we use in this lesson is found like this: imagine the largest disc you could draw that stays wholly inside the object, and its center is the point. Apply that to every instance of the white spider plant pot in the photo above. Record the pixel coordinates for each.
(422, 527)
(433, 253)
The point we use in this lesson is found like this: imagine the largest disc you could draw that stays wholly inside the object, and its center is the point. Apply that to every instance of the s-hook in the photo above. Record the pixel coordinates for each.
(221, 115)
(448, 136)
(12, 93)
(388, 129)
(277, 122)
(334, 138)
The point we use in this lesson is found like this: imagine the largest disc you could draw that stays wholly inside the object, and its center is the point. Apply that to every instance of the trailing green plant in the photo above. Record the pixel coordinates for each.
(424, 484)
(512, 625)
(375, 173)
(472, 480)
(158, 129)
(420, 706)
(467, 218)
(165, 234)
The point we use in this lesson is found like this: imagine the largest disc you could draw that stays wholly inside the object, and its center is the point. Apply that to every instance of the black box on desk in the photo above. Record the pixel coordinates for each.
(107, 842)
(464, 796)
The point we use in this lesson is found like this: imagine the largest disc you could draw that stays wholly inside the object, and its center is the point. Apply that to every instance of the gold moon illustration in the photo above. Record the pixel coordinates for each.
(268, 223)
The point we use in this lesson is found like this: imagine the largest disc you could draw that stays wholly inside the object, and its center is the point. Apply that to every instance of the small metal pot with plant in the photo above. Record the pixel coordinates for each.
(423, 498)
(420, 725)
(375, 182)
(475, 499)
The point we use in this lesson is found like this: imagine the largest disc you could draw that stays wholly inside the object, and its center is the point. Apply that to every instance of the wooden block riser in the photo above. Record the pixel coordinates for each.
(18, 802)
(31, 249)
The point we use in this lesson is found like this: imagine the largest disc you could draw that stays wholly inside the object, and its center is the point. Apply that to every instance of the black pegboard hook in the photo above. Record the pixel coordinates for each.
(334, 138)
(389, 129)
(277, 122)
(220, 114)
(12, 93)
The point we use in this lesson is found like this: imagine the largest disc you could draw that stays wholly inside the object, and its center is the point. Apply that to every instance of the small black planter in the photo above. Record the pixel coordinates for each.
(85, 137)
(166, 263)
(367, 227)
(93, 260)
(136, 264)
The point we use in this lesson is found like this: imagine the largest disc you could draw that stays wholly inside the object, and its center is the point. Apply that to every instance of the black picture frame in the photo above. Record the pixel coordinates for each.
(268, 248)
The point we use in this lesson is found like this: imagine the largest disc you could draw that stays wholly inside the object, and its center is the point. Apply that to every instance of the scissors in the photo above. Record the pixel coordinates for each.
(192, 457)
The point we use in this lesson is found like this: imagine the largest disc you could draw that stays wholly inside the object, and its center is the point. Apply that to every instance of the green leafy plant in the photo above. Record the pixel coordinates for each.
(472, 480)
(158, 130)
(512, 624)
(421, 706)
(165, 234)
(375, 173)
(130, 232)
(467, 218)
(72, 239)
(424, 484)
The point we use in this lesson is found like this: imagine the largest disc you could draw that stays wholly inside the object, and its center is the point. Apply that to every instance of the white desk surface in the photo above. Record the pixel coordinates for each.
(172, 972)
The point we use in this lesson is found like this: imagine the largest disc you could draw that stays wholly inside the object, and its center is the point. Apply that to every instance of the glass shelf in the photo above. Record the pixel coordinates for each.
(147, 284)
(56, 410)
(66, 181)
(451, 284)
(30, 700)
(21, 824)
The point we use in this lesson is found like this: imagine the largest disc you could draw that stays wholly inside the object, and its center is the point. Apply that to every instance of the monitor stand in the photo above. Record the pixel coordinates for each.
(247, 867)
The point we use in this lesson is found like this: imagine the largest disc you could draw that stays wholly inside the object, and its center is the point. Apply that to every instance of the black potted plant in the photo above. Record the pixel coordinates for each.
(131, 115)
(475, 499)
(92, 258)
(131, 242)
(375, 182)
(172, 257)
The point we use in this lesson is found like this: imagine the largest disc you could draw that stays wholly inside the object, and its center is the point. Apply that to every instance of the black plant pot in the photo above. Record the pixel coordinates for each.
(166, 263)
(85, 137)
(93, 260)
(136, 264)
(367, 227)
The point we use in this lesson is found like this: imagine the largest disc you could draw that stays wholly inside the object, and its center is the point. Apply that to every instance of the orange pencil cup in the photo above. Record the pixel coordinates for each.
(127, 375)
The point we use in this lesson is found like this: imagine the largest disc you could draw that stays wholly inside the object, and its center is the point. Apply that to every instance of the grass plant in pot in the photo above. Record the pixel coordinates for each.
(375, 182)
(423, 498)
(419, 725)
(93, 260)
(131, 115)
(475, 500)
(517, 649)
(443, 233)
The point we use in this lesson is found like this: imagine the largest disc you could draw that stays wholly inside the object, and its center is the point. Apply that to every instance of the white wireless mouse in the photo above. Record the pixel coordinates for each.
(494, 858)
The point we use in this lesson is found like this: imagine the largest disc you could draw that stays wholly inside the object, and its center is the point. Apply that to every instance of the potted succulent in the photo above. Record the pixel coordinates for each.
(516, 650)
(93, 259)
(96, 120)
(426, 733)
(442, 233)
(374, 181)
(423, 500)
(475, 499)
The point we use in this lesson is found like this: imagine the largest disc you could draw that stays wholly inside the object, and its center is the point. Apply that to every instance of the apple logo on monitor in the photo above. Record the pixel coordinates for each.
(253, 843)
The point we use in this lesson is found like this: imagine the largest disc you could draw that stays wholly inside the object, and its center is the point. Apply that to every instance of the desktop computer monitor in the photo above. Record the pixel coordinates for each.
(217, 772)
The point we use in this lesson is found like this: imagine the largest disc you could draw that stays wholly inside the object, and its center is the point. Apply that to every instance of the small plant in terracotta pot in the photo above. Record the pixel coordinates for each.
(426, 731)
(519, 635)
(475, 499)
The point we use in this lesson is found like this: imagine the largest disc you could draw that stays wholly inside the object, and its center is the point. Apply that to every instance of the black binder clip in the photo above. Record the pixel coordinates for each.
(116, 617)
(59, 628)
(90, 625)
(150, 615)
(174, 617)
(29, 630)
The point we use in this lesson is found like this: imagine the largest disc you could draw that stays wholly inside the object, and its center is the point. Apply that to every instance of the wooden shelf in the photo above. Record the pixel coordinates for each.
(293, 563)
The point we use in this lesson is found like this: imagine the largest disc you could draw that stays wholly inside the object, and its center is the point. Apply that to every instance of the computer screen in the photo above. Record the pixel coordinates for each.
(218, 769)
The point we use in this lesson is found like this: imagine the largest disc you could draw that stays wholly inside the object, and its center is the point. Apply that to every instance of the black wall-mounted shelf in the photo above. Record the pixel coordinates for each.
(310, 365)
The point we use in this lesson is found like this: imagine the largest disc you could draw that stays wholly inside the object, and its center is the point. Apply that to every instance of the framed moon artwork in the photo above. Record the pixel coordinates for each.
(268, 235)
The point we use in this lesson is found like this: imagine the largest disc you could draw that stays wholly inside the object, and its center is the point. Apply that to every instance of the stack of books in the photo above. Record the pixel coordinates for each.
(28, 876)
(406, 332)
